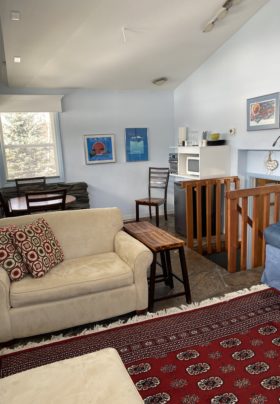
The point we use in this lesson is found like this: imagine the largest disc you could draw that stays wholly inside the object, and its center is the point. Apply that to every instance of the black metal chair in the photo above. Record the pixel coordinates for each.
(4, 207)
(42, 201)
(24, 185)
(158, 179)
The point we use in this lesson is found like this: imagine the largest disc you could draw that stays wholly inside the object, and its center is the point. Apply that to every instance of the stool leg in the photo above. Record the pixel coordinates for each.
(164, 268)
(185, 274)
(137, 211)
(157, 216)
(169, 269)
(150, 211)
(152, 282)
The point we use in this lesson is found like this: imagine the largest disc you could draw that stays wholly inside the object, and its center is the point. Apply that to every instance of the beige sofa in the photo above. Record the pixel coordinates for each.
(104, 274)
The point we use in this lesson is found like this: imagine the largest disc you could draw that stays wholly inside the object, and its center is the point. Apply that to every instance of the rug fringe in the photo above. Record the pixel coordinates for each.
(137, 319)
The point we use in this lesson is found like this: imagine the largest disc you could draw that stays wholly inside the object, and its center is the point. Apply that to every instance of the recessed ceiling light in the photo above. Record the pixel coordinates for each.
(15, 15)
(17, 59)
(160, 81)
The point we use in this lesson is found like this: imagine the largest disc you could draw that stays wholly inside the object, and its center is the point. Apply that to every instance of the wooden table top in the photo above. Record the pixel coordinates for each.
(19, 203)
(153, 237)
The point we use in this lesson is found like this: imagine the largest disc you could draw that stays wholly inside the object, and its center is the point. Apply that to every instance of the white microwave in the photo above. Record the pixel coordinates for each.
(192, 165)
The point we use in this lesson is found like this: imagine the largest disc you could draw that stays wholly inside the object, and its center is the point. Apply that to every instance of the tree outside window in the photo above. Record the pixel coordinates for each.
(29, 145)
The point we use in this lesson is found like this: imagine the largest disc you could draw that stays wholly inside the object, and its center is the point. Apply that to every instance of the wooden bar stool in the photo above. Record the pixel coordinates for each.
(160, 241)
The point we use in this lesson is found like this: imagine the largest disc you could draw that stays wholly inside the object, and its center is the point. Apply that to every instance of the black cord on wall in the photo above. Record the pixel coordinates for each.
(274, 144)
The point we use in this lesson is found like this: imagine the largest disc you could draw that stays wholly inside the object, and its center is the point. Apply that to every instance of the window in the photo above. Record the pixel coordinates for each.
(29, 145)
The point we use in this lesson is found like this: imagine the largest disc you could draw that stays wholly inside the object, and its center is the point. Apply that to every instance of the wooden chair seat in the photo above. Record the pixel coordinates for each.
(150, 201)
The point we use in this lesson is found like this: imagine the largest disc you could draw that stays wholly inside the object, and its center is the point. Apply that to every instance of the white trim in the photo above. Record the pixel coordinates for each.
(138, 319)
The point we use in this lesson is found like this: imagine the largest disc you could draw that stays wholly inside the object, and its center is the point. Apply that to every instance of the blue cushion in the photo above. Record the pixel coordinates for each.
(272, 235)
(271, 274)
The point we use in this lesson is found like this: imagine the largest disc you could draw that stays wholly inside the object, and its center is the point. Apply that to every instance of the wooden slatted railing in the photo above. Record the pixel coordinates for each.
(204, 191)
(238, 202)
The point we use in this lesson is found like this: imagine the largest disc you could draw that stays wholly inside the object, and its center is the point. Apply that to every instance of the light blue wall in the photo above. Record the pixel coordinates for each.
(90, 112)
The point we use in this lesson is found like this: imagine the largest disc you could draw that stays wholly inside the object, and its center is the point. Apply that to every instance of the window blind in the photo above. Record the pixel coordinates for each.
(30, 103)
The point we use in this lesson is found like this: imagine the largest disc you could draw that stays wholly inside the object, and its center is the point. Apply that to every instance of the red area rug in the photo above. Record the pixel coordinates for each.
(227, 352)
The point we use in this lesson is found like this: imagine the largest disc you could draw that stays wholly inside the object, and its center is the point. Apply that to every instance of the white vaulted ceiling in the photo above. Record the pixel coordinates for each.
(80, 43)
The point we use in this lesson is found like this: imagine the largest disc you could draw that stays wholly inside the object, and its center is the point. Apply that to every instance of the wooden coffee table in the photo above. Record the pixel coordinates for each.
(160, 241)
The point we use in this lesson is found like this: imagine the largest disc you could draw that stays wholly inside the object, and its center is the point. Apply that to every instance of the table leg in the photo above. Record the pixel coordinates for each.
(164, 268)
(152, 282)
(137, 211)
(185, 274)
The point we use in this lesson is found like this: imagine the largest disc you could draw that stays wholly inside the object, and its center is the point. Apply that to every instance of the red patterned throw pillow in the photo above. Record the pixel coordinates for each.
(10, 258)
(38, 246)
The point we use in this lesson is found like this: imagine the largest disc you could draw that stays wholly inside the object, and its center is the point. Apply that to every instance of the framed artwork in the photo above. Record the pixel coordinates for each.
(136, 144)
(263, 112)
(99, 149)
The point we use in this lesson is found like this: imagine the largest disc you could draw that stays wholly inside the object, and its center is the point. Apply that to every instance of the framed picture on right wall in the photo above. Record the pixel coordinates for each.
(263, 112)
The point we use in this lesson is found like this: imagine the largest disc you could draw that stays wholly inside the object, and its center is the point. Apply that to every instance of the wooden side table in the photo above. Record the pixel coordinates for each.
(159, 241)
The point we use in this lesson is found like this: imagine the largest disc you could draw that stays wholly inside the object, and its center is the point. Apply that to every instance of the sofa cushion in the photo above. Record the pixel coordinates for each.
(73, 278)
(272, 235)
(10, 259)
(38, 246)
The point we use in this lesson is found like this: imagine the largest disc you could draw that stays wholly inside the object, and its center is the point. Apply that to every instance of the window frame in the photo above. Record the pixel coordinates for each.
(55, 126)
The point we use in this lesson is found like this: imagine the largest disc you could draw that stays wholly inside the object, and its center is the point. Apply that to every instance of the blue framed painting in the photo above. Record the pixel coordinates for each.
(136, 144)
(99, 149)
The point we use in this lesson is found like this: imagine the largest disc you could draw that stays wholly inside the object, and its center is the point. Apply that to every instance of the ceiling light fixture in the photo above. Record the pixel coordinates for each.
(15, 15)
(221, 13)
(160, 81)
(17, 59)
(209, 26)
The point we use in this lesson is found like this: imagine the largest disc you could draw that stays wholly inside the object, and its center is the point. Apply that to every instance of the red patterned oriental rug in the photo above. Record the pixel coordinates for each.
(226, 352)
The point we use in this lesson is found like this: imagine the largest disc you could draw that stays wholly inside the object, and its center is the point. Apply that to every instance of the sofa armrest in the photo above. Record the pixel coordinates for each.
(4, 289)
(5, 323)
(138, 257)
(272, 235)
